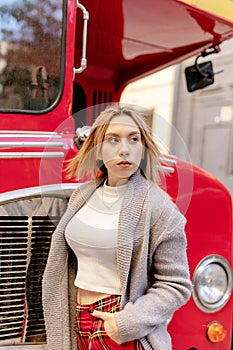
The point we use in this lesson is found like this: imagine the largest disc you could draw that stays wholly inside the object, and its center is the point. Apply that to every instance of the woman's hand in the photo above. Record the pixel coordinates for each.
(109, 324)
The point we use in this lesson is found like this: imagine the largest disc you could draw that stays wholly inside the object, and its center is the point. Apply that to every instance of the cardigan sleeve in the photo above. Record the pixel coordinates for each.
(171, 285)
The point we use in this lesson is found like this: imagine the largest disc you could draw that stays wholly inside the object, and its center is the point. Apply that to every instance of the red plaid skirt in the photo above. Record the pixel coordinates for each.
(91, 334)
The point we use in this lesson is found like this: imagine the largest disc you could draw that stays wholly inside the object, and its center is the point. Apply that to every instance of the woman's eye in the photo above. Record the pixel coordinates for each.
(113, 140)
(134, 139)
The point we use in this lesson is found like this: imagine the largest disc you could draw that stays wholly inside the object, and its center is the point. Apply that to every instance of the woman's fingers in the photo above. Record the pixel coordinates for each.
(109, 324)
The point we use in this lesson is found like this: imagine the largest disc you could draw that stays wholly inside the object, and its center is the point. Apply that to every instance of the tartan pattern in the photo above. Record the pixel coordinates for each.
(91, 334)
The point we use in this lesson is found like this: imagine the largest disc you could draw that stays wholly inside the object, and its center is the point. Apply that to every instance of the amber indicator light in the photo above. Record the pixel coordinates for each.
(216, 332)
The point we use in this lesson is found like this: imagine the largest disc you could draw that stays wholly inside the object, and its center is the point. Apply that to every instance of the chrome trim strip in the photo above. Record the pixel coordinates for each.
(30, 144)
(31, 136)
(168, 169)
(24, 347)
(60, 189)
(28, 134)
(12, 155)
(168, 160)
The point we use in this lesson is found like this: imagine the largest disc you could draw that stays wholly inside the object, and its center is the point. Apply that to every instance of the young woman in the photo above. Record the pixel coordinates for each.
(117, 268)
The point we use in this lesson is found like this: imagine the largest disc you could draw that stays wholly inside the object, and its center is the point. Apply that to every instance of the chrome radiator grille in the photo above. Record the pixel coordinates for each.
(24, 247)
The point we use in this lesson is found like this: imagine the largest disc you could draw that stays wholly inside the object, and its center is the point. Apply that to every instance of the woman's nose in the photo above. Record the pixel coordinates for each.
(124, 147)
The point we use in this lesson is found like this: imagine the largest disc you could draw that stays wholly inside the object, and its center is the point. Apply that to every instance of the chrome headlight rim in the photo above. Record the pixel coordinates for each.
(207, 261)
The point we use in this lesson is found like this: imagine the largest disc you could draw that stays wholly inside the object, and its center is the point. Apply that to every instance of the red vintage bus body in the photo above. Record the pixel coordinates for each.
(127, 40)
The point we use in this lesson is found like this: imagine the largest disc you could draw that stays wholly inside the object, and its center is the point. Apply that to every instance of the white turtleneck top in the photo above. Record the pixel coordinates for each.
(92, 235)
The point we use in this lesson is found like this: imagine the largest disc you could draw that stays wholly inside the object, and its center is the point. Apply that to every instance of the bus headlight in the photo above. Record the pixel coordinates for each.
(212, 283)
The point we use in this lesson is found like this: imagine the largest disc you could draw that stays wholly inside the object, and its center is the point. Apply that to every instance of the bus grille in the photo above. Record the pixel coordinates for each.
(24, 247)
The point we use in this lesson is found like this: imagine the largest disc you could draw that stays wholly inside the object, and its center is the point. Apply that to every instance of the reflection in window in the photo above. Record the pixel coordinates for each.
(30, 53)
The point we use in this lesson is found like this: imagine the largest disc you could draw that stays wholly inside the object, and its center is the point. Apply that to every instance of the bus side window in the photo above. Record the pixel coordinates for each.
(11, 97)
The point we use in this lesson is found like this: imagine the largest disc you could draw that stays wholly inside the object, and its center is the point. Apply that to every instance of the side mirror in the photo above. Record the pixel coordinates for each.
(199, 76)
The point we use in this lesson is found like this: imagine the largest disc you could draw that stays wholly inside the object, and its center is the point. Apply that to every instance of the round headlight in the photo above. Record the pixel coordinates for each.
(212, 283)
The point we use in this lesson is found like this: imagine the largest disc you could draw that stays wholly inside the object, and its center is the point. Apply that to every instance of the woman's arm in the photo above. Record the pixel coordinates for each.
(171, 286)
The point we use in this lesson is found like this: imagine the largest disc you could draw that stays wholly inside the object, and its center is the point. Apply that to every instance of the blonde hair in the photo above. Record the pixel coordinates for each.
(85, 163)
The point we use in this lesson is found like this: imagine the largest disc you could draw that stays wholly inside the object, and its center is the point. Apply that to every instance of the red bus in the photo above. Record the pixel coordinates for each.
(61, 62)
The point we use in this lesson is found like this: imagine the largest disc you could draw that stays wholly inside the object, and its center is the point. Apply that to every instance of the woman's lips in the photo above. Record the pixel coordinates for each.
(124, 164)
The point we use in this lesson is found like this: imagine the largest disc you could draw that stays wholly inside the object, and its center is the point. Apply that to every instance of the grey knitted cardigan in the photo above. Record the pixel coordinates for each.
(152, 264)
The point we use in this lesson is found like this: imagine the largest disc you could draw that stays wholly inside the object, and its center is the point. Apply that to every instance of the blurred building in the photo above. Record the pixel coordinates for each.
(195, 126)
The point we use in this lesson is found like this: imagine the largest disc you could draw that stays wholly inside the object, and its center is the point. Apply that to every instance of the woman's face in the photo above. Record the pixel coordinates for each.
(121, 150)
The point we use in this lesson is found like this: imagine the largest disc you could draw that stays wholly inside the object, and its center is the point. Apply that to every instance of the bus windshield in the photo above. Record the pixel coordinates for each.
(30, 54)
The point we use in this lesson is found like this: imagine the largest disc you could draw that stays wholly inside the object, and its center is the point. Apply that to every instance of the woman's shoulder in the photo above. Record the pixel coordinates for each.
(161, 204)
(154, 195)
(158, 195)
(83, 190)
